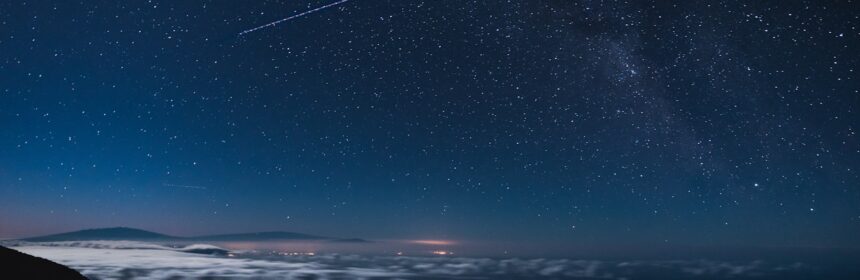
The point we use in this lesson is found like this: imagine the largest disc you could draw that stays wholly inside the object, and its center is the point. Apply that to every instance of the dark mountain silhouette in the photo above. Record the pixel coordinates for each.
(116, 233)
(22, 266)
(205, 250)
(123, 233)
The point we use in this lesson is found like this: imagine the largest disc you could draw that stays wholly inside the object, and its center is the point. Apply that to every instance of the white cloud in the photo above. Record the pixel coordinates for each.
(138, 260)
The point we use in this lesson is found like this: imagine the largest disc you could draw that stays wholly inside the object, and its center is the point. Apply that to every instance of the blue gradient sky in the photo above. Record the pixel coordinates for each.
(570, 123)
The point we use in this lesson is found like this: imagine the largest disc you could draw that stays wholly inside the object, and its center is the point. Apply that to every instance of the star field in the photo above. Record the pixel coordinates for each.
(579, 123)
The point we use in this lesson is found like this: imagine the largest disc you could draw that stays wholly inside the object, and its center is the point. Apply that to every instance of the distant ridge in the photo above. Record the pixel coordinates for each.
(260, 236)
(133, 234)
(350, 240)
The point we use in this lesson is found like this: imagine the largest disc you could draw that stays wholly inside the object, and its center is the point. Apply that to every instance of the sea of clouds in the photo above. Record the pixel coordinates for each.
(139, 260)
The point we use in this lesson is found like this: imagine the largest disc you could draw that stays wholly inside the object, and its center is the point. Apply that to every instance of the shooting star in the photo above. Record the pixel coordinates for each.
(185, 186)
(293, 17)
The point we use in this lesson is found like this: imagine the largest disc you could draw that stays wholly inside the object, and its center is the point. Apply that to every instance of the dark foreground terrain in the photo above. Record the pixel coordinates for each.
(22, 265)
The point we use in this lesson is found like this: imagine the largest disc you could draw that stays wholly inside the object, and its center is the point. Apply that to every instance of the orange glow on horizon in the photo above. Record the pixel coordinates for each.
(433, 242)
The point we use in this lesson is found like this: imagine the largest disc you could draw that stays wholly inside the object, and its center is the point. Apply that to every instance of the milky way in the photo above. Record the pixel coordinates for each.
(505, 128)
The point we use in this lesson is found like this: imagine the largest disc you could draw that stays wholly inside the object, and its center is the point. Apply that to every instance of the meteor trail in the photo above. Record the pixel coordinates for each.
(185, 186)
(292, 17)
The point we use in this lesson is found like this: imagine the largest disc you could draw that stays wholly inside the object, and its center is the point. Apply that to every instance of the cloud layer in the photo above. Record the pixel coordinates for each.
(137, 260)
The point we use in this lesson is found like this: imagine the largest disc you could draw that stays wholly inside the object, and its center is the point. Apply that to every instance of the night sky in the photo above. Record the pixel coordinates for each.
(562, 124)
